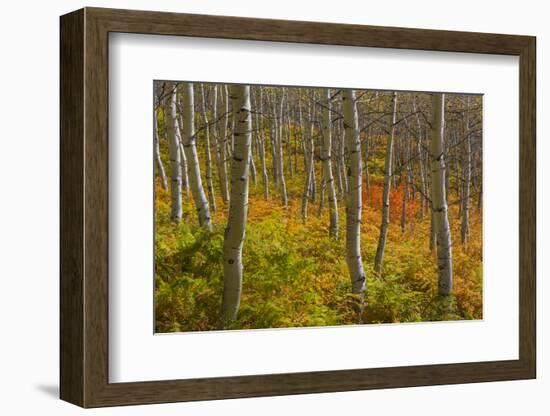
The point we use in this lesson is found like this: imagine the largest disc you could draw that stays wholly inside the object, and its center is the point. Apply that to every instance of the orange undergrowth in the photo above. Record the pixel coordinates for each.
(295, 275)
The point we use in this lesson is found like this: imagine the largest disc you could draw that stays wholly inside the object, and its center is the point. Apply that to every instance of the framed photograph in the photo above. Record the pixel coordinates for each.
(255, 207)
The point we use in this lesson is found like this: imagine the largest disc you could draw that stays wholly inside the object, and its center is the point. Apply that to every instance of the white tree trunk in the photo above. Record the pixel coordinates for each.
(219, 145)
(172, 133)
(353, 194)
(252, 168)
(183, 161)
(342, 157)
(238, 206)
(159, 167)
(407, 184)
(339, 178)
(279, 150)
(261, 137)
(326, 155)
(190, 149)
(222, 149)
(388, 173)
(208, 158)
(439, 201)
(423, 187)
(309, 153)
(367, 176)
(467, 166)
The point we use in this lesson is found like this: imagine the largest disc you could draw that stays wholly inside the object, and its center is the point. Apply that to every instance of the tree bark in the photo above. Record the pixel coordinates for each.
(309, 164)
(439, 201)
(328, 179)
(466, 165)
(190, 149)
(172, 133)
(353, 195)
(279, 151)
(367, 175)
(261, 137)
(424, 192)
(339, 177)
(208, 157)
(342, 163)
(218, 144)
(238, 206)
(222, 149)
(159, 167)
(407, 184)
(388, 172)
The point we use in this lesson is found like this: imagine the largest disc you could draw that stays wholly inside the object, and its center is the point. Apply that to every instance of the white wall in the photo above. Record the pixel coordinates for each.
(29, 220)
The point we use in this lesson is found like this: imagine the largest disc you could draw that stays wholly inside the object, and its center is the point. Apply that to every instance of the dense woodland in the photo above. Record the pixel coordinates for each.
(289, 206)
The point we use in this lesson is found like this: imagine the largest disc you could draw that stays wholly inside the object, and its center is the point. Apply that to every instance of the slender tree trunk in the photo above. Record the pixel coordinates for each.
(238, 207)
(273, 130)
(343, 162)
(159, 167)
(280, 154)
(302, 132)
(423, 200)
(465, 226)
(289, 139)
(252, 168)
(328, 179)
(260, 126)
(251, 163)
(339, 180)
(172, 133)
(406, 185)
(190, 149)
(439, 201)
(309, 164)
(313, 181)
(222, 149)
(208, 157)
(388, 173)
(447, 185)
(183, 159)
(353, 195)
(219, 153)
(367, 175)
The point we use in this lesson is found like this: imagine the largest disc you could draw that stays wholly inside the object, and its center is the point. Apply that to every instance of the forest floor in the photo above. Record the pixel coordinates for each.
(295, 275)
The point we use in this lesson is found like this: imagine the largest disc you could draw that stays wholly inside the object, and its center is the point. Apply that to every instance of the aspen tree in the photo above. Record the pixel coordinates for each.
(424, 191)
(328, 179)
(467, 161)
(172, 134)
(388, 173)
(261, 137)
(238, 205)
(215, 130)
(439, 201)
(190, 149)
(208, 157)
(353, 194)
(159, 167)
(222, 148)
(309, 168)
(279, 150)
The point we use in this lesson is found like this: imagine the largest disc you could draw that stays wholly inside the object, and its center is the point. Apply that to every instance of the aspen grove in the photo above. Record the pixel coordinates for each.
(294, 206)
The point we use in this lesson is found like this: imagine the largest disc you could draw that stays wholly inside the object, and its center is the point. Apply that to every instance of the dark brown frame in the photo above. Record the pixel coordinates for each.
(84, 207)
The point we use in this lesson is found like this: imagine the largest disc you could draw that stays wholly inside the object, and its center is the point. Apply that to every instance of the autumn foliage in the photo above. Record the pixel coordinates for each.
(294, 275)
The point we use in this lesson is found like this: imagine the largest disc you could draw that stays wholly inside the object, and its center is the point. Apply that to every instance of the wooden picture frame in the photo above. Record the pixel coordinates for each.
(84, 207)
